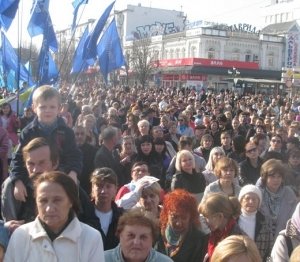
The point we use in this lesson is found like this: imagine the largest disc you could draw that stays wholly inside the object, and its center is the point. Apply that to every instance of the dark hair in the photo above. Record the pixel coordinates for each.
(39, 142)
(65, 181)
(184, 141)
(6, 104)
(104, 174)
(239, 143)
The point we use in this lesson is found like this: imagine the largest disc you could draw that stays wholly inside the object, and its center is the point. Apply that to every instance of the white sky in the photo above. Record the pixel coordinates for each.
(61, 11)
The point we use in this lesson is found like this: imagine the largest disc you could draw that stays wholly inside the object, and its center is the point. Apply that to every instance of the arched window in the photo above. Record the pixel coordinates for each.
(177, 53)
(166, 54)
(270, 59)
(171, 54)
(193, 51)
(248, 56)
(211, 54)
(183, 52)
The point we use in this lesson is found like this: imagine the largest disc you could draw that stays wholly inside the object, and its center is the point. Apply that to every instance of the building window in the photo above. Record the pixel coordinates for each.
(255, 58)
(235, 55)
(248, 56)
(156, 55)
(166, 54)
(193, 51)
(211, 53)
(183, 52)
(270, 60)
(171, 54)
(177, 53)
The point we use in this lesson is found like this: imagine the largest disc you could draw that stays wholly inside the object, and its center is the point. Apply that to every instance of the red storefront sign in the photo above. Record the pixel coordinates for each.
(207, 62)
(184, 77)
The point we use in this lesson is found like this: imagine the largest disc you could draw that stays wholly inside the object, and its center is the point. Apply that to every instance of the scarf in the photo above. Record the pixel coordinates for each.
(47, 129)
(273, 201)
(296, 217)
(218, 235)
(173, 241)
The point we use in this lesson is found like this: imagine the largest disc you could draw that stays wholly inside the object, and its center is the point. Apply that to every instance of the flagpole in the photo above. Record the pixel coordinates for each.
(19, 55)
(70, 42)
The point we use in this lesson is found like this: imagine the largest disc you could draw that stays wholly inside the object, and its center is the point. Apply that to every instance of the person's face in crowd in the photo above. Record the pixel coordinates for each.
(149, 200)
(259, 122)
(274, 181)
(186, 163)
(164, 122)
(282, 133)
(136, 242)
(267, 121)
(128, 145)
(157, 132)
(28, 112)
(276, 143)
(139, 172)
(53, 205)
(251, 151)
(259, 130)
(250, 202)
(216, 111)
(39, 161)
(146, 148)
(243, 119)
(235, 123)
(130, 122)
(207, 143)
(6, 110)
(159, 148)
(226, 140)
(216, 156)
(214, 126)
(227, 174)
(206, 121)
(214, 221)
(47, 110)
(179, 222)
(80, 136)
(292, 130)
(144, 129)
(103, 192)
(294, 160)
(173, 129)
(199, 133)
(89, 123)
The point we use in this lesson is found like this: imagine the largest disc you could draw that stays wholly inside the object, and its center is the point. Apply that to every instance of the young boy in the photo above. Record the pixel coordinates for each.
(47, 124)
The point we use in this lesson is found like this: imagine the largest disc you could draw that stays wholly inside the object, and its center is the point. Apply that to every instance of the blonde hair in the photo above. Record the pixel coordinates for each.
(181, 154)
(295, 255)
(236, 246)
(45, 92)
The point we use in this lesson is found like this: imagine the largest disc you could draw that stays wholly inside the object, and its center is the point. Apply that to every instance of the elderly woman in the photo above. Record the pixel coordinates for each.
(181, 237)
(253, 222)
(279, 201)
(215, 154)
(137, 233)
(143, 127)
(220, 212)
(56, 232)
(288, 239)
(186, 176)
(226, 171)
(236, 249)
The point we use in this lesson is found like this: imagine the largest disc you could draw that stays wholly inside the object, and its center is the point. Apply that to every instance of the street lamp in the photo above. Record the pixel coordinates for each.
(235, 73)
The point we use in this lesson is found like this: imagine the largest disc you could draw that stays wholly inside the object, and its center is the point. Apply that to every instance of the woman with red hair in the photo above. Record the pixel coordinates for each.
(181, 238)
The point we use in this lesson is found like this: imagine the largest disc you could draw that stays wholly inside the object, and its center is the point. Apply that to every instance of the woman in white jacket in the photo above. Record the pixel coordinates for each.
(56, 234)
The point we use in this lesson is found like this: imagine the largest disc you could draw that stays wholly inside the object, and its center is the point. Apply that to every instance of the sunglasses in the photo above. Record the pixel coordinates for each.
(180, 120)
(251, 150)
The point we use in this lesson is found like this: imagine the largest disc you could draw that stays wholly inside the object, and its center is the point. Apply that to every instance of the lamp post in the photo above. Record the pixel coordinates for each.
(235, 73)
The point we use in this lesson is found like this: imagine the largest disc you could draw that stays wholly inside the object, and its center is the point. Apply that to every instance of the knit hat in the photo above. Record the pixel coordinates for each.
(250, 189)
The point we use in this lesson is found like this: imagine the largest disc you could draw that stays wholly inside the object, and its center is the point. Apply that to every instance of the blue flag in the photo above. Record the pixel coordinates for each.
(4, 4)
(10, 60)
(76, 4)
(79, 63)
(40, 23)
(109, 50)
(7, 15)
(48, 73)
(90, 47)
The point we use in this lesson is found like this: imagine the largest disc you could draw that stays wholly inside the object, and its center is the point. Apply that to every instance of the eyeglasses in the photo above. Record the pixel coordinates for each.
(180, 120)
(276, 141)
(251, 150)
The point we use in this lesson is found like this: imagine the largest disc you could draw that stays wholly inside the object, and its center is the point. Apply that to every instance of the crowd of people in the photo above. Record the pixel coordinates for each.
(132, 174)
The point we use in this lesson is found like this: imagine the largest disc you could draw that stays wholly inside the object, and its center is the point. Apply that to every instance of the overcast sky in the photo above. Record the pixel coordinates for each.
(230, 11)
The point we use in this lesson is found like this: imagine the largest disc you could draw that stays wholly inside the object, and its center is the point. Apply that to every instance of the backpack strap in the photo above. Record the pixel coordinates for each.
(289, 244)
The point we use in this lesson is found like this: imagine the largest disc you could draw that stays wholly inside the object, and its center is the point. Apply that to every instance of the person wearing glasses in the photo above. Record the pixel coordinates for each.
(250, 167)
(278, 201)
(183, 127)
(275, 150)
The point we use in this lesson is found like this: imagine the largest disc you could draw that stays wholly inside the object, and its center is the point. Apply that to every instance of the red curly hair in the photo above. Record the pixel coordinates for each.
(182, 202)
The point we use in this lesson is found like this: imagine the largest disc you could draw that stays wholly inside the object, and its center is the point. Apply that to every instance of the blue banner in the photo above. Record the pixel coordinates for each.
(7, 15)
(109, 51)
(76, 4)
(90, 47)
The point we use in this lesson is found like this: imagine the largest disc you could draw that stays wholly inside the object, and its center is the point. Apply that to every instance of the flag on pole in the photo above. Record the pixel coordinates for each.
(109, 51)
(10, 60)
(40, 23)
(90, 47)
(8, 10)
(79, 63)
(76, 4)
